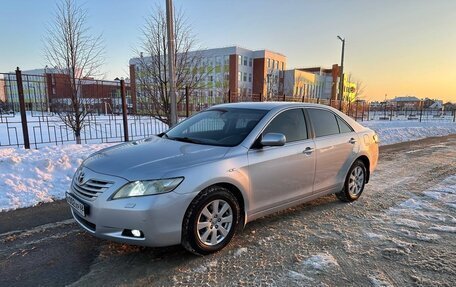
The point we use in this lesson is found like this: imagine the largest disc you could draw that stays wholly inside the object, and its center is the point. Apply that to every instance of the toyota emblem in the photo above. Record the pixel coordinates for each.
(81, 177)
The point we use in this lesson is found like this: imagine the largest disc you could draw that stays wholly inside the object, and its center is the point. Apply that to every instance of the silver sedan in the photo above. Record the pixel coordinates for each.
(204, 179)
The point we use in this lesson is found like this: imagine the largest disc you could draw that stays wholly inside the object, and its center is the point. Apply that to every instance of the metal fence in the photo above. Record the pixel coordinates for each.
(32, 108)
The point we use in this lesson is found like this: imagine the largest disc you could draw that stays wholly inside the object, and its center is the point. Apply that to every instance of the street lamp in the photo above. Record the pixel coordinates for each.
(341, 81)
(171, 68)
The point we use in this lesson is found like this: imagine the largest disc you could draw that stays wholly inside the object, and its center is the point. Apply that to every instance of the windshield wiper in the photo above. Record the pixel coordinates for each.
(184, 139)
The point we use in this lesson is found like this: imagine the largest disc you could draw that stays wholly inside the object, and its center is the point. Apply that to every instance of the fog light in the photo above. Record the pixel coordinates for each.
(136, 233)
(133, 233)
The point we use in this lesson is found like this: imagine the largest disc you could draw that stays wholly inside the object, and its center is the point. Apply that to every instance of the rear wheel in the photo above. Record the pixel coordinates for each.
(354, 182)
(210, 221)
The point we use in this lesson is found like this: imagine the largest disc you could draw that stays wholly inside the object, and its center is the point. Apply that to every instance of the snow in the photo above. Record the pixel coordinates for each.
(425, 208)
(391, 132)
(321, 262)
(240, 251)
(29, 177)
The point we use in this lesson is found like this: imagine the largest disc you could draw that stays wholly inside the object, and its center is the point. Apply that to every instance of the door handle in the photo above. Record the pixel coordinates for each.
(308, 150)
(352, 141)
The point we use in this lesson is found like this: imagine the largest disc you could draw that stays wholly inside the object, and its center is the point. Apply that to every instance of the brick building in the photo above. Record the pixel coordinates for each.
(237, 70)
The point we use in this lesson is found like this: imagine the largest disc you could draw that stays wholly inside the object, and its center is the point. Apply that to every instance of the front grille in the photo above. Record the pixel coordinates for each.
(91, 188)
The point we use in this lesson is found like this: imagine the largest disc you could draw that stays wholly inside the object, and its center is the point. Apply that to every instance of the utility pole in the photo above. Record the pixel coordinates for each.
(171, 61)
(341, 81)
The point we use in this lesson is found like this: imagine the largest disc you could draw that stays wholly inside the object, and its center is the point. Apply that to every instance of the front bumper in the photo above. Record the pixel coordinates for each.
(158, 217)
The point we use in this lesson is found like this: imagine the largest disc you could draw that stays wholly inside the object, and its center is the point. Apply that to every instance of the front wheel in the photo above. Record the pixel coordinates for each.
(210, 221)
(354, 182)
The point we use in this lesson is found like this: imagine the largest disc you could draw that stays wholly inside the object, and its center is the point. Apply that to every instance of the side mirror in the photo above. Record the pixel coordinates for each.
(273, 139)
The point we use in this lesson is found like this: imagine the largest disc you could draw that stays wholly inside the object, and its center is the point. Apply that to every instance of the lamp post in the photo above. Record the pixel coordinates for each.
(341, 81)
(171, 50)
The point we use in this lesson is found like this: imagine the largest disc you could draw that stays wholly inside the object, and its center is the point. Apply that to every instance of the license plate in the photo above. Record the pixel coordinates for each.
(76, 204)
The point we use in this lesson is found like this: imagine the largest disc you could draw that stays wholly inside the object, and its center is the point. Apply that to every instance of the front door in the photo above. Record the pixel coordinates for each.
(284, 173)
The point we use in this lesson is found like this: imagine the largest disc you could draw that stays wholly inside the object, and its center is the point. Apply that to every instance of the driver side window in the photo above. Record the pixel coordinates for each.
(291, 123)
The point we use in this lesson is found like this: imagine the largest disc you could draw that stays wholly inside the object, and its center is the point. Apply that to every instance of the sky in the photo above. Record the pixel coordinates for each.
(394, 47)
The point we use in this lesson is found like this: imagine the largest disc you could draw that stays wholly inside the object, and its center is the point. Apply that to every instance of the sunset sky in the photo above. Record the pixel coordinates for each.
(394, 47)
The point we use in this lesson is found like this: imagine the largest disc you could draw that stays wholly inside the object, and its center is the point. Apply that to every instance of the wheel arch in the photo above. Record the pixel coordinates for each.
(239, 196)
(365, 160)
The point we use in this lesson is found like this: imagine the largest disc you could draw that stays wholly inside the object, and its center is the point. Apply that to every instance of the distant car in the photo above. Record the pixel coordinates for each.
(218, 170)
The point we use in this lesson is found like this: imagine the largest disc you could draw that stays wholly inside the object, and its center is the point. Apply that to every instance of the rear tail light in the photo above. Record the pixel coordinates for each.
(376, 138)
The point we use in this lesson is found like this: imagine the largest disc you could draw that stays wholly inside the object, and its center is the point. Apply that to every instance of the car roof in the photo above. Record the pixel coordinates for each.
(269, 106)
(266, 105)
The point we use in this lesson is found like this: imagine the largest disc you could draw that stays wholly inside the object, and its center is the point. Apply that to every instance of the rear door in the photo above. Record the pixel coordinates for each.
(283, 173)
(336, 146)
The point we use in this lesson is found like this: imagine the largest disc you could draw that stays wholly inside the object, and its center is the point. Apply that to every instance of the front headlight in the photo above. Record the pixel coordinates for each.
(147, 187)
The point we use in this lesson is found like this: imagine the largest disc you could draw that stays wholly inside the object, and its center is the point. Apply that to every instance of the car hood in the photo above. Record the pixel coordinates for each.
(151, 158)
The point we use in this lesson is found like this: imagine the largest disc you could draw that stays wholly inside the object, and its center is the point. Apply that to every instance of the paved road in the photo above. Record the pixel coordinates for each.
(397, 234)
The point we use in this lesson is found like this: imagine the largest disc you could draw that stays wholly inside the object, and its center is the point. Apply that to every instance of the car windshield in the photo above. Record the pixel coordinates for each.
(221, 127)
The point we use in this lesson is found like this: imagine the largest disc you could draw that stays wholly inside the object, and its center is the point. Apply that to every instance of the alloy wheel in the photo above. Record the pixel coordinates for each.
(214, 222)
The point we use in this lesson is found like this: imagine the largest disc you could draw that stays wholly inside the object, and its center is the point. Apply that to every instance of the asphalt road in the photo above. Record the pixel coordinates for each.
(361, 243)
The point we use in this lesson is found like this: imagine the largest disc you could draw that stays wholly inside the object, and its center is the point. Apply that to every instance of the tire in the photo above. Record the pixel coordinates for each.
(354, 182)
(216, 228)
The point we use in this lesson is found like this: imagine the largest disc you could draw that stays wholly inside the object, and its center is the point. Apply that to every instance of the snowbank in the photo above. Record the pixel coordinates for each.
(28, 177)
(391, 132)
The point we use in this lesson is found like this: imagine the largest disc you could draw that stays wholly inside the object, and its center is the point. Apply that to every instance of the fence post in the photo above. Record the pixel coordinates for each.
(261, 97)
(229, 96)
(421, 113)
(454, 114)
(20, 92)
(284, 97)
(187, 110)
(124, 109)
(362, 114)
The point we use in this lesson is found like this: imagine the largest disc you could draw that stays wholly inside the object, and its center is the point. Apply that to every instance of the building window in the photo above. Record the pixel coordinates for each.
(250, 77)
(250, 62)
(217, 61)
(269, 63)
(245, 77)
(245, 61)
(226, 59)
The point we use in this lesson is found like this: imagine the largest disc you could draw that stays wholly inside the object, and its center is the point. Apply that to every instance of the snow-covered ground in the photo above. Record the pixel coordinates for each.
(31, 176)
(28, 177)
(391, 132)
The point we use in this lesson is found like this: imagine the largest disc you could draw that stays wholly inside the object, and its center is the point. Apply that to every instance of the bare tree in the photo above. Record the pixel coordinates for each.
(152, 64)
(74, 52)
(359, 90)
(360, 86)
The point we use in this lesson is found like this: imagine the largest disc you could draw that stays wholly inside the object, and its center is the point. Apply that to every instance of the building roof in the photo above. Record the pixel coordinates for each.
(406, 99)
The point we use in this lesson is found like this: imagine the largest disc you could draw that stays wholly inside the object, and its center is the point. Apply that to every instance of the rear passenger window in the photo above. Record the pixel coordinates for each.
(290, 123)
(343, 126)
(324, 122)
